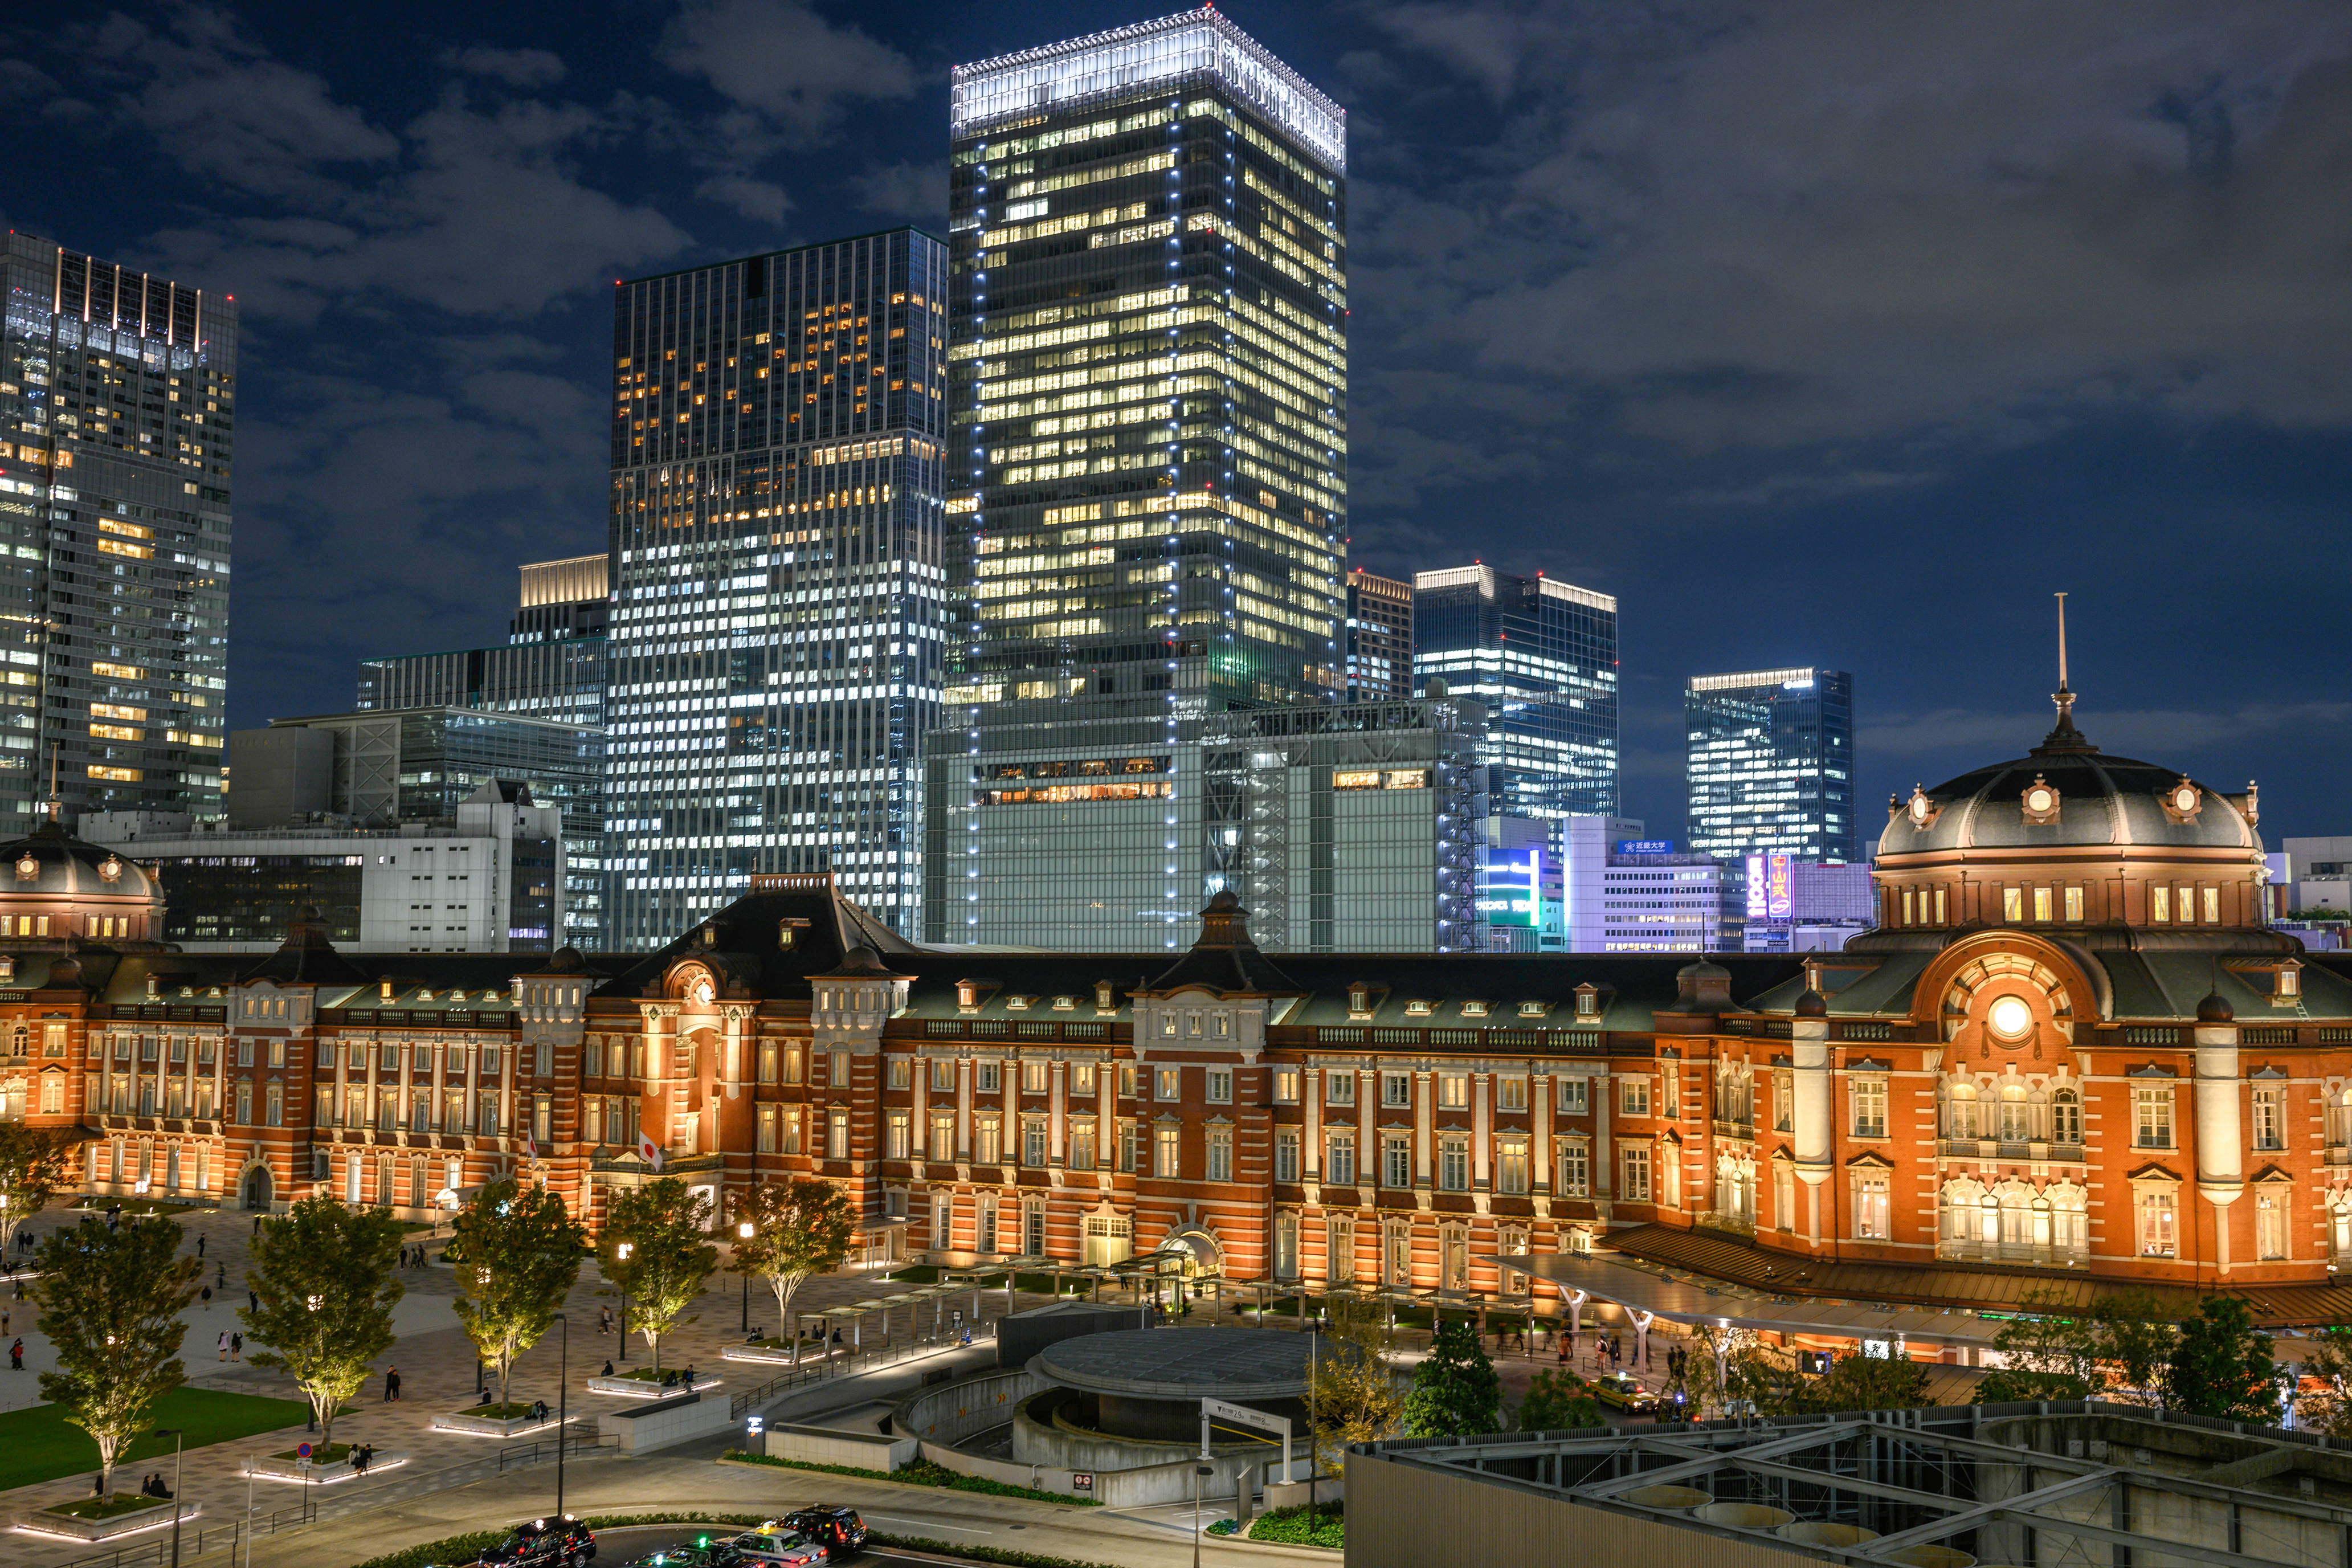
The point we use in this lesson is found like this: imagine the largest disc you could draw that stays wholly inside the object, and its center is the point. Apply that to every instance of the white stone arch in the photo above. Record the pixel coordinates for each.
(2070, 1223)
(1960, 1222)
(2015, 1200)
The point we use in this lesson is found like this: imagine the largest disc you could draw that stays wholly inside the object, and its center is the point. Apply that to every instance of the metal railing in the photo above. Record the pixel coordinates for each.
(851, 1363)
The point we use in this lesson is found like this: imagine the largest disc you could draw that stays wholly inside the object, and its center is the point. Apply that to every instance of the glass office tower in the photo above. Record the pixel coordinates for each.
(1380, 637)
(776, 574)
(1541, 654)
(117, 404)
(554, 664)
(1148, 385)
(1771, 763)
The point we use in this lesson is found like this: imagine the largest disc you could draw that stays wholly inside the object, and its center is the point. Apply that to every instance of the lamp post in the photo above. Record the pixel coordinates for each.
(621, 1255)
(562, 1406)
(744, 1232)
(179, 1449)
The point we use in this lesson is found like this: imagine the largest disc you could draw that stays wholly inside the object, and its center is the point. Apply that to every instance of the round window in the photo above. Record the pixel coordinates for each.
(2010, 1018)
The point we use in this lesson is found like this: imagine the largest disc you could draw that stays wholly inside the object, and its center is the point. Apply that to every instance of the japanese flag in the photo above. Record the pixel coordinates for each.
(531, 1148)
(650, 1152)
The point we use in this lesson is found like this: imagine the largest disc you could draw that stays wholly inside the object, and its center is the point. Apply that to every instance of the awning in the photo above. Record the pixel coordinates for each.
(1604, 1278)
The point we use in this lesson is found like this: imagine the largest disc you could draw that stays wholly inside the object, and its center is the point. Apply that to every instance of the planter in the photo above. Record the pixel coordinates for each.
(269, 1467)
(489, 1426)
(647, 1388)
(46, 1521)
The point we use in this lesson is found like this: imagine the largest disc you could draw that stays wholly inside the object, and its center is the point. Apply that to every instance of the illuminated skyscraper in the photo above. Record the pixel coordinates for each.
(1380, 637)
(118, 402)
(1541, 654)
(1148, 457)
(775, 564)
(1771, 763)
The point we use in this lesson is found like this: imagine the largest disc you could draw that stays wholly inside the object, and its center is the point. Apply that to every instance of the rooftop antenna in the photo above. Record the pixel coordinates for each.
(56, 805)
(2061, 640)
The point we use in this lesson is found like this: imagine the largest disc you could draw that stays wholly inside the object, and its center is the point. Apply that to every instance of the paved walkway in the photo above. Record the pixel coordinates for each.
(438, 1373)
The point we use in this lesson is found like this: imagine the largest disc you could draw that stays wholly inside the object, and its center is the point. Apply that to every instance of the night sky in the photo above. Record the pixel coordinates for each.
(1818, 333)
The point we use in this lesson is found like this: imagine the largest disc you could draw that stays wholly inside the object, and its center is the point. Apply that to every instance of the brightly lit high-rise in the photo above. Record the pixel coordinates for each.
(1148, 459)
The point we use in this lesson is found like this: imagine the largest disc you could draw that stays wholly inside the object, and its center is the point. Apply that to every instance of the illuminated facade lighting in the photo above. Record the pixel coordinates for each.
(1771, 763)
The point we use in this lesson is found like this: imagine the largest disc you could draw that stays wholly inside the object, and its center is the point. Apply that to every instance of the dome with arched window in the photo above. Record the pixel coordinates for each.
(56, 886)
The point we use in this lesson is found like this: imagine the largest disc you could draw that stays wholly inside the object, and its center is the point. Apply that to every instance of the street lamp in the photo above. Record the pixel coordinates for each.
(743, 1232)
(562, 1406)
(621, 1255)
(179, 1448)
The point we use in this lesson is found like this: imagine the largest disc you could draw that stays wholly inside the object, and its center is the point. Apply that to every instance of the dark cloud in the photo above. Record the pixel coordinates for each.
(515, 68)
(918, 191)
(798, 72)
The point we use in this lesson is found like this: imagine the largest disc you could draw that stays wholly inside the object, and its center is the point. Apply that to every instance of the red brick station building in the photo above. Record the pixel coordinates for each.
(2070, 1052)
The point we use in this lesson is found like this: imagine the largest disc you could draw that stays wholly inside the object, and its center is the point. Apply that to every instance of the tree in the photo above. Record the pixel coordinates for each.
(1556, 1400)
(516, 1251)
(799, 1227)
(32, 1172)
(1870, 1382)
(1353, 1391)
(653, 1249)
(2329, 1407)
(2116, 1348)
(323, 1275)
(111, 1305)
(2221, 1366)
(1455, 1392)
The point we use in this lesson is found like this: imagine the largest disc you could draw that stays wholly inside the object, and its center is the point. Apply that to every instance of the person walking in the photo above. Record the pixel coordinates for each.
(16, 1356)
(236, 1347)
(224, 1344)
(604, 1319)
(200, 1244)
(3, 1322)
(392, 1385)
(207, 1294)
(257, 1224)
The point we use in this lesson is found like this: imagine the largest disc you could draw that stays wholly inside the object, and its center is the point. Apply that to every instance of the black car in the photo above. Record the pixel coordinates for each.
(838, 1530)
(705, 1552)
(562, 1543)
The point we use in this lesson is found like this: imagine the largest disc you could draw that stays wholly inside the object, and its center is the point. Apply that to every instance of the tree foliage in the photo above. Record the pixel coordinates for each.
(324, 1277)
(1353, 1388)
(2117, 1348)
(111, 1305)
(2222, 1365)
(516, 1251)
(1455, 1391)
(653, 1247)
(1558, 1399)
(800, 1227)
(2328, 1406)
(33, 1162)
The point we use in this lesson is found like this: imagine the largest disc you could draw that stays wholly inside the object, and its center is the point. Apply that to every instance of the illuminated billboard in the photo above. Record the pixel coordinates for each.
(1755, 887)
(1514, 890)
(1780, 900)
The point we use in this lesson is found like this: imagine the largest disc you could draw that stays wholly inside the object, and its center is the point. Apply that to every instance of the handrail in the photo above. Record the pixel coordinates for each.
(847, 1364)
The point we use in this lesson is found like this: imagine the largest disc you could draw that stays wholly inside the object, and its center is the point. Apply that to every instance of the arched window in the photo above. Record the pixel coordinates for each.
(1961, 1222)
(1960, 1111)
(2016, 1115)
(2339, 1119)
(2066, 1116)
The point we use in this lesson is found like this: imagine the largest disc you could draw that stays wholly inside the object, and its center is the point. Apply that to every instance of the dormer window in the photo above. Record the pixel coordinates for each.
(1473, 1009)
(967, 994)
(1420, 1007)
(1359, 998)
(1102, 995)
(1063, 1004)
(1587, 1002)
(1533, 1009)
(2290, 981)
(1018, 1004)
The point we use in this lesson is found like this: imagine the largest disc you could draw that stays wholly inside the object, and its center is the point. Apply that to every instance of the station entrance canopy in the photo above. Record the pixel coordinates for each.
(1648, 1289)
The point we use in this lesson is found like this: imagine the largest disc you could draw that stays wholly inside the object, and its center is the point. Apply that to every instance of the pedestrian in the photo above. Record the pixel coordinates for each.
(200, 1244)
(257, 1224)
(1567, 1349)
(252, 1299)
(224, 1344)
(207, 1293)
(236, 1347)
(16, 1356)
(604, 1319)
(3, 1322)
(392, 1385)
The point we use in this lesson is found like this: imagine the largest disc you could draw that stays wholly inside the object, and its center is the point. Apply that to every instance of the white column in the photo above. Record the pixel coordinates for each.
(1811, 1130)
(2221, 1163)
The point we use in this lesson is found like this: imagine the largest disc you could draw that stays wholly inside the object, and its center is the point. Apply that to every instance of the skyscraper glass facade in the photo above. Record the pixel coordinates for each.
(1148, 388)
(777, 577)
(1541, 654)
(1771, 763)
(556, 662)
(117, 402)
(1380, 637)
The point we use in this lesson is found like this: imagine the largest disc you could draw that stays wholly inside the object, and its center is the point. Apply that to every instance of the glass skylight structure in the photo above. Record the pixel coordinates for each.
(1541, 654)
(777, 508)
(1771, 763)
(1148, 457)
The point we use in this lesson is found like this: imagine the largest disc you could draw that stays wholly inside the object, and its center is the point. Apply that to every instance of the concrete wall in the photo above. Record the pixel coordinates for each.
(831, 1445)
(663, 1422)
(1396, 1510)
(953, 1412)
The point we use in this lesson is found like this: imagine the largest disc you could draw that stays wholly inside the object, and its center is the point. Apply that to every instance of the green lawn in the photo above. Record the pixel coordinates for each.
(40, 1444)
